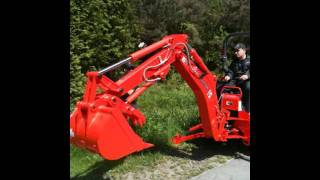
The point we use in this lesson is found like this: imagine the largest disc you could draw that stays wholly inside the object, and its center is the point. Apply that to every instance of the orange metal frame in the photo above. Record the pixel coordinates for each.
(101, 122)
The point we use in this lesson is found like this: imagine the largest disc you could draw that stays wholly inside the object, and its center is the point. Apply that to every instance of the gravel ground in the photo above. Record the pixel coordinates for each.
(185, 164)
(175, 168)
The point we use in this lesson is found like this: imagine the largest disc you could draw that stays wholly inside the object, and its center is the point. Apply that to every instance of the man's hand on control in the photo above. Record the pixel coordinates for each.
(244, 77)
(227, 78)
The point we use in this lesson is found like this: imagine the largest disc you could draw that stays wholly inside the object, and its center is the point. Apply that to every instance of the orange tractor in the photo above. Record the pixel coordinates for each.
(100, 122)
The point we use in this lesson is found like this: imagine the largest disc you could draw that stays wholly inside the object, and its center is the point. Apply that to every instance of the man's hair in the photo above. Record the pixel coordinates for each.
(240, 45)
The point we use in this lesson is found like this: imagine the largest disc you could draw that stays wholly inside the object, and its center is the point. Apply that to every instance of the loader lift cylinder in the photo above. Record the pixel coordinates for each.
(114, 66)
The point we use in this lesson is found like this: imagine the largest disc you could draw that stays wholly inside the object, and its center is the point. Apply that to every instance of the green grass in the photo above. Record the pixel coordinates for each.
(169, 107)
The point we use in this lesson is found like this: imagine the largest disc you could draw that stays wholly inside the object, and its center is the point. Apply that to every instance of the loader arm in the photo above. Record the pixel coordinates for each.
(100, 122)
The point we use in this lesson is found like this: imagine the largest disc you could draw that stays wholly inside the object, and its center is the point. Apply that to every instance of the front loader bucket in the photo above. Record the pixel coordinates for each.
(105, 131)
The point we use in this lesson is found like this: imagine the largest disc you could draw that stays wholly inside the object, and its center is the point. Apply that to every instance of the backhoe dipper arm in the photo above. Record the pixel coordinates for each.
(189, 65)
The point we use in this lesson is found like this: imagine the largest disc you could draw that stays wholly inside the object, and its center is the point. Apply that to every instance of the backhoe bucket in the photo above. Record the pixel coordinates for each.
(105, 131)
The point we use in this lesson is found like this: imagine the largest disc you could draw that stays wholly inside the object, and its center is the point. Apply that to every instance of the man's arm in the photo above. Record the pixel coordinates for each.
(246, 75)
(247, 64)
(230, 70)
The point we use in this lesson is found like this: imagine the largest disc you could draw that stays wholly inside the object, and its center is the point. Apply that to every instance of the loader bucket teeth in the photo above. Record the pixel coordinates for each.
(106, 132)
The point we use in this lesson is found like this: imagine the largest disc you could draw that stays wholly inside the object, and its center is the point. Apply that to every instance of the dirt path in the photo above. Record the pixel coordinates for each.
(175, 168)
(238, 169)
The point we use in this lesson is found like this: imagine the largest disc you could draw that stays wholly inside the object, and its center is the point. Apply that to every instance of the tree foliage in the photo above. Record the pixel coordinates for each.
(104, 31)
(207, 22)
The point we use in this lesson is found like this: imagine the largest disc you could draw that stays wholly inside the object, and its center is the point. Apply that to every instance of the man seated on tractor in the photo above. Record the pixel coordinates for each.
(238, 73)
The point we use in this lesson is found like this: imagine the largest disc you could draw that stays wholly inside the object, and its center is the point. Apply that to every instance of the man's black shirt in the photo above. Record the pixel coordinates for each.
(239, 68)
